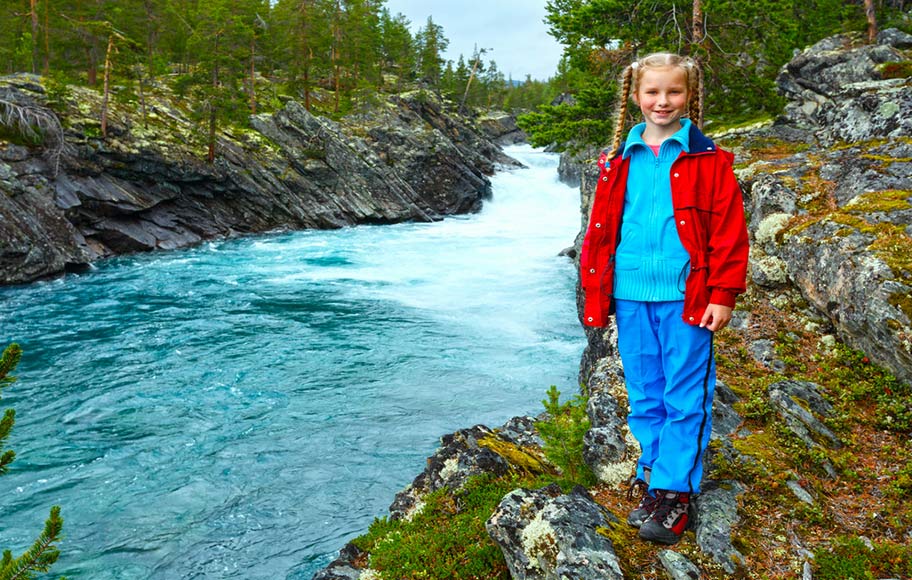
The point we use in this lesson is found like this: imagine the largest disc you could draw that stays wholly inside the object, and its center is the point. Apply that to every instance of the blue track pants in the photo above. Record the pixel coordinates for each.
(670, 373)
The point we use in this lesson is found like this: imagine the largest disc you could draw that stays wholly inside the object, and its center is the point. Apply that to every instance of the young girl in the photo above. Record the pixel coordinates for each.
(666, 253)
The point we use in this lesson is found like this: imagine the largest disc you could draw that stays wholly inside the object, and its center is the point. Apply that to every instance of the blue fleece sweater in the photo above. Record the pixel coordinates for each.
(651, 263)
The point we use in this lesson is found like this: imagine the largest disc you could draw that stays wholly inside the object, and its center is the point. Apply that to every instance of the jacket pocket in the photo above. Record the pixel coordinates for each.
(693, 200)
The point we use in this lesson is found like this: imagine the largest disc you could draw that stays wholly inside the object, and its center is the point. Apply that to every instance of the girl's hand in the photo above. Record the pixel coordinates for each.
(716, 317)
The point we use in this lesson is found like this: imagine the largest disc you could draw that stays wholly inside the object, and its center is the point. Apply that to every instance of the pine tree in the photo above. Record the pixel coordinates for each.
(221, 41)
(43, 552)
(431, 45)
(397, 47)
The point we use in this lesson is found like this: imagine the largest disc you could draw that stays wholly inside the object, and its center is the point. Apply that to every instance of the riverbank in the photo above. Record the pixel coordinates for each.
(80, 197)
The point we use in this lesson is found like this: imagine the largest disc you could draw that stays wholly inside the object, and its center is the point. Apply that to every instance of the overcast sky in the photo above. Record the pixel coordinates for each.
(514, 29)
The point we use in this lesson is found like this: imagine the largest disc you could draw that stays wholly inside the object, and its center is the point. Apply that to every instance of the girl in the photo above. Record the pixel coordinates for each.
(666, 253)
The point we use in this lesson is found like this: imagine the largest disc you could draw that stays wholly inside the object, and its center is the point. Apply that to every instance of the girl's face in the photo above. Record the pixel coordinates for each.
(662, 97)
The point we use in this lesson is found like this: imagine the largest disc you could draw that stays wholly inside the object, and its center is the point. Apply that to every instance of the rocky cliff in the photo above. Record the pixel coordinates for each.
(810, 463)
(147, 185)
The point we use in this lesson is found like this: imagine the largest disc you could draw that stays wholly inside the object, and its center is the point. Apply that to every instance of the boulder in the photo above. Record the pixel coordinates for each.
(546, 535)
(500, 127)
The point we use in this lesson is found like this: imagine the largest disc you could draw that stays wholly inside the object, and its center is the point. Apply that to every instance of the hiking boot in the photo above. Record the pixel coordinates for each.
(669, 519)
(647, 505)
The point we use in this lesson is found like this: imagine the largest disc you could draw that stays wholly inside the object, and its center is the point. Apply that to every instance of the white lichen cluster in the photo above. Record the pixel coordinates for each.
(539, 543)
(770, 227)
(450, 468)
(617, 474)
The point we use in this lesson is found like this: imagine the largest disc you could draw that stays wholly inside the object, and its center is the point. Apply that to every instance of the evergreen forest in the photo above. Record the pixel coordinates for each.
(237, 57)
(233, 58)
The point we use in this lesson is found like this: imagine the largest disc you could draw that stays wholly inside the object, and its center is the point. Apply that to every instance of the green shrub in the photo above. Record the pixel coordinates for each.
(851, 558)
(563, 433)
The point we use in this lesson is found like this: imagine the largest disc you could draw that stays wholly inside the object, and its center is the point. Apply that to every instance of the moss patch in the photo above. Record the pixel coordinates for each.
(526, 460)
(896, 70)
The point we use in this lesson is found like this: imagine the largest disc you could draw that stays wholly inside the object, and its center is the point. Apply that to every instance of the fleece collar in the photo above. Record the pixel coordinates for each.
(697, 142)
(635, 137)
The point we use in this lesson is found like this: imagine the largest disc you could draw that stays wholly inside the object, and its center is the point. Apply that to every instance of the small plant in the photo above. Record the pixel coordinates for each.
(563, 433)
(896, 70)
(43, 553)
(853, 558)
(854, 377)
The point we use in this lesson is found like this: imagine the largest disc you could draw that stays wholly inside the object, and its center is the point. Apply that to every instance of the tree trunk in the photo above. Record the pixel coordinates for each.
(107, 88)
(698, 34)
(697, 23)
(252, 76)
(465, 95)
(336, 33)
(33, 15)
(213, 103)
(872, 20)
(142, 94)
(306, 53)
(47, 43)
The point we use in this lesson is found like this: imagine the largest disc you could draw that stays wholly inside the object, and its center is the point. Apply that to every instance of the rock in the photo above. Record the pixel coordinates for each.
(466, 453)
(801, 493)
(678, 567)
(609, 449)
(500, 127)
(147, 188)
(838, 273)
(461, 455)
(835, 90)
(546, 535)
(895, 38)
(717, 514)
(771, 201)
(797, 402)
(725, 420)
(573, 163)
(764, 352)
(348, 566)
(768, 271)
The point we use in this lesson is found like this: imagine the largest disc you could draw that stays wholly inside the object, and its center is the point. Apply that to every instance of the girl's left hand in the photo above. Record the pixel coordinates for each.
(716, 317)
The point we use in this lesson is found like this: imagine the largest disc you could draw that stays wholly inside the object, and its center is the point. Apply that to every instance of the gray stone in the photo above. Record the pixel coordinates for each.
(895, 38)
(763, 351)
(609, 449)
(717, 514)
(725, 420)
(837, 273)
(459, 457)
(545, 535)
(344, 567)
(797, 403)
(678, 567)
(801, 493)
(769, 271)
(500, 127)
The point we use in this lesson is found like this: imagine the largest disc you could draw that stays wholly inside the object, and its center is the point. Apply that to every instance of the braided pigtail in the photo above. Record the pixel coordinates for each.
(626, 81)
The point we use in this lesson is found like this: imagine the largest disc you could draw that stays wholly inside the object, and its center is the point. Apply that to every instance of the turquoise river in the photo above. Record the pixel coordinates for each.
(243, 408)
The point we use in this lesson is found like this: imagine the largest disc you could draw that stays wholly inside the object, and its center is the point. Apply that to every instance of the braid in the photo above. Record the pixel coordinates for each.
(622, 111)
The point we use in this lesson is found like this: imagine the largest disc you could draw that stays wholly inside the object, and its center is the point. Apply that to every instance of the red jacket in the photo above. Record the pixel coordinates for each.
(709, 213)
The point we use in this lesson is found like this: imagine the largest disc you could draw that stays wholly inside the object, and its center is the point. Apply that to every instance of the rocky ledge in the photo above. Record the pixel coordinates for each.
(147, 185)
(827, 190)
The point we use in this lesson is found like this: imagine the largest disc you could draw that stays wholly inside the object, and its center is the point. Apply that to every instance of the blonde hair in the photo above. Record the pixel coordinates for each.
(630, 79)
